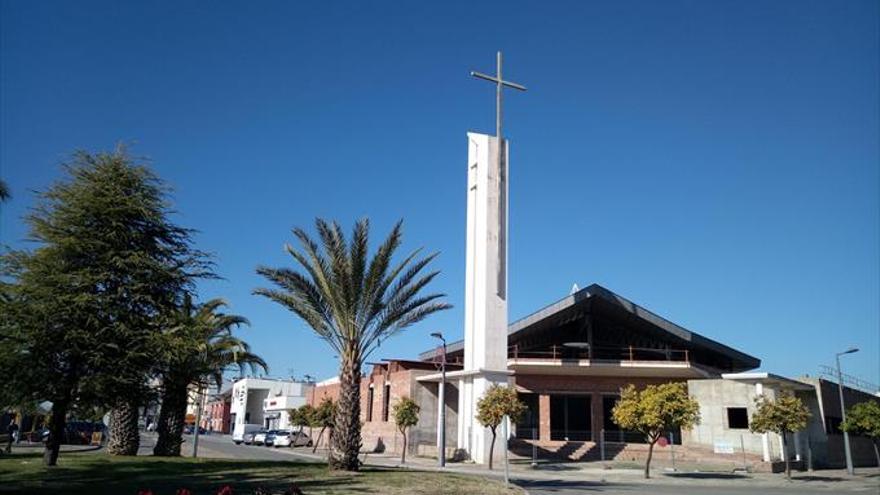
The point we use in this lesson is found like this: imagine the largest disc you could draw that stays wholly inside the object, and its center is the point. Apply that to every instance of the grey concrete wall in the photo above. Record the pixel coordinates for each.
(715, 396)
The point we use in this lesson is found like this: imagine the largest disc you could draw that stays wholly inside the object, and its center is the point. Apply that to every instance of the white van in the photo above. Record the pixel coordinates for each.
(238, 434)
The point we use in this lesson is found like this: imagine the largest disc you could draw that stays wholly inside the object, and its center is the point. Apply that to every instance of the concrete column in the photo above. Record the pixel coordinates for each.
(596, 418)
(544, 417)
(765, 439)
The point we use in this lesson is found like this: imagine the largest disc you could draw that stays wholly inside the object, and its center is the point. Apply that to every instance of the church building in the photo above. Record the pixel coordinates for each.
(568, 362)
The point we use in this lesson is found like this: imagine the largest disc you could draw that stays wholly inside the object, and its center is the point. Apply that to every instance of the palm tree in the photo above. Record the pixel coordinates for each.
(4, 191)
(353, 303)
(199, 348)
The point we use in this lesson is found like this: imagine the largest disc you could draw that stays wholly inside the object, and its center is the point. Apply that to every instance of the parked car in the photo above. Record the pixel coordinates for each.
(190, 429)
(244, 433)
(270, 437)
(260, 437)
(287, 438)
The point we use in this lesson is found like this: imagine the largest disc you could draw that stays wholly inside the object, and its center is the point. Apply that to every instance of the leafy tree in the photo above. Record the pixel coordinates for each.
(323, 417)
(655, 410)
(787, 414)
(303, 416)
(864, 419)
(406, 414)
(353, 302)
(496, 403)
(198, 349)
(80, 310)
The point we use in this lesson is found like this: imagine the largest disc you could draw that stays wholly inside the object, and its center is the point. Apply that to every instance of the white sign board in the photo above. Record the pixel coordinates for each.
(723, 448)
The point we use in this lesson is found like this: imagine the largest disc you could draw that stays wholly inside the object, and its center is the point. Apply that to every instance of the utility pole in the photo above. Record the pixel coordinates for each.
(849, 463)
(198, 423)
(441, 405)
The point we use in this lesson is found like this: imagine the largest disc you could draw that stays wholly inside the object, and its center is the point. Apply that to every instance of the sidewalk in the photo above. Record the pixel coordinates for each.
(834, 480)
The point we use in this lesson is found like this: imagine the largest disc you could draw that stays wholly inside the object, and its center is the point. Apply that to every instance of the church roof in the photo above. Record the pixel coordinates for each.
(595, 296)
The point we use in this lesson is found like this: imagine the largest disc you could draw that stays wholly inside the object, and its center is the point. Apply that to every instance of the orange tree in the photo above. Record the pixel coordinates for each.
(655, 410)
(406, 414)
(496, 403)
(787, 414)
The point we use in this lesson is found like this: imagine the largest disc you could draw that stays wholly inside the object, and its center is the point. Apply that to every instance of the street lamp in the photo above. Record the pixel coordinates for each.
(441, 406)
(849, 463)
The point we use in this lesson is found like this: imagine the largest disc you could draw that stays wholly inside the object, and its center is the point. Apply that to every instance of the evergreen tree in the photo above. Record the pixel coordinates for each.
(81, 309)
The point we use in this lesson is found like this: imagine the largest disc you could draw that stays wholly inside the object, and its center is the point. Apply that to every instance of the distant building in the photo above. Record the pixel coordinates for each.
(217, 416)
(727, 406)
(266, 401)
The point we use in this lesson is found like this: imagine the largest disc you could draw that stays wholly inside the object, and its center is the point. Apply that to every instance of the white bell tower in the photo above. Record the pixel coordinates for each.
(485, 326)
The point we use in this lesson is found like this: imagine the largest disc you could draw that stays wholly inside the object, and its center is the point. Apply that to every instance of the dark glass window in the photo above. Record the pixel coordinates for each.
(737, 418)
(370, 404)
(531, 417)
(386, 402)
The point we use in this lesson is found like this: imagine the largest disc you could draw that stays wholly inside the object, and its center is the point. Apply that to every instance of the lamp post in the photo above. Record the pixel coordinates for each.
(849, 463)
(441, 405)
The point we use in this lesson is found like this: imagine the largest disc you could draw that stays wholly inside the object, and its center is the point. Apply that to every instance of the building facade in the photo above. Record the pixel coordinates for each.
(266, 401)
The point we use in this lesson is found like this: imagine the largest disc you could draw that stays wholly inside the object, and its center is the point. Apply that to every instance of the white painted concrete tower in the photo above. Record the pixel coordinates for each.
(485, 328)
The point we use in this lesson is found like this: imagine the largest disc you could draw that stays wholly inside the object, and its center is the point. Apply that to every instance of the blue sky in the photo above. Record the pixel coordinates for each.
(715, 162)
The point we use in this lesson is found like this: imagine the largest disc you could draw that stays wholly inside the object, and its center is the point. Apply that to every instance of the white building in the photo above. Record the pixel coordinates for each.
(265, 401)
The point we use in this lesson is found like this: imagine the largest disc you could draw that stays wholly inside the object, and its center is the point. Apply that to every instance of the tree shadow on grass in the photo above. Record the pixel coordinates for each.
(104, 475)
(99, 475)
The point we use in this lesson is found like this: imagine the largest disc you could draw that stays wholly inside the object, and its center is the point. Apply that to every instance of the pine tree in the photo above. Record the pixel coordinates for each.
(83, 307)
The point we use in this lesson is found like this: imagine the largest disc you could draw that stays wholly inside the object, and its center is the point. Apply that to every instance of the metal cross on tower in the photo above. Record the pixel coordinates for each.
(500, 83)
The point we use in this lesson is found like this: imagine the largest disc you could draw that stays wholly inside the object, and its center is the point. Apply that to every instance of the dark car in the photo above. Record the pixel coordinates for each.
(190, 429)
(270, 438)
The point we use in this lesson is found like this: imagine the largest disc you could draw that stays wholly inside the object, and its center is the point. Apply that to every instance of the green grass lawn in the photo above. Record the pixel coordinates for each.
(98, 473)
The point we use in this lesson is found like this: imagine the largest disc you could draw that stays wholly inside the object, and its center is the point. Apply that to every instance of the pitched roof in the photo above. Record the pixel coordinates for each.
(549, 317)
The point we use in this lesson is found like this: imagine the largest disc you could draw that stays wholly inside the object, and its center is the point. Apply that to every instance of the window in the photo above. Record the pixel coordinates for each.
(832, 425)
(370, 404)
(737, 418)
(386, 401)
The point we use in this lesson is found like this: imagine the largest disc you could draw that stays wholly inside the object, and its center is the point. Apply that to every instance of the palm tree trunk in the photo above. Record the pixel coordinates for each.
(345, 443)
(125, 438)
(877, 452)
(56, 432)
(171, 420)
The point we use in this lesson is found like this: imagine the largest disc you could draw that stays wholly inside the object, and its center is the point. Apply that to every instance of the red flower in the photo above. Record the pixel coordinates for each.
(226, 490)
(183, 491)
(145, 492)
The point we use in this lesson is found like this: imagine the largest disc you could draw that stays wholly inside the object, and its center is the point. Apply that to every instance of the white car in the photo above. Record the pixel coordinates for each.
(244, 433)
(260, 437)
(287, 438)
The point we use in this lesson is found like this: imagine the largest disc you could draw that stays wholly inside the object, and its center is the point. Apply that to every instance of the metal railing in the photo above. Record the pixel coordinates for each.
(600, 353)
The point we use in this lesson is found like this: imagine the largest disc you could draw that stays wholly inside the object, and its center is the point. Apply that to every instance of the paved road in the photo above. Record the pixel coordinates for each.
(560, 487)
(222, 446)
(687, 484)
